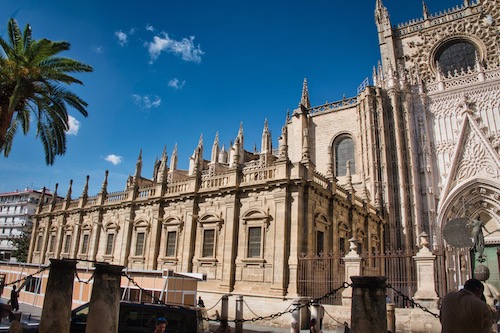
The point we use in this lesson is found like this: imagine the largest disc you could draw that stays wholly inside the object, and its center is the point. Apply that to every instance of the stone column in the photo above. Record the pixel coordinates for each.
(295, 320)
(352, 268)
(105, 299)
(368, 310)
(56, 309)
(426, 290)
(238, 328)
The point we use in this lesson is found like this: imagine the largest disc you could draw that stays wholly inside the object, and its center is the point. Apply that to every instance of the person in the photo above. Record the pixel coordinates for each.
(14, 295)
(463, 311)
(223, 327)
(201, 304)
(160, 325)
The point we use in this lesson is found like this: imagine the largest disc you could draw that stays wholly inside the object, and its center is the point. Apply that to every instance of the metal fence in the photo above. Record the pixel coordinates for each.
(399, 269)
(319, 274)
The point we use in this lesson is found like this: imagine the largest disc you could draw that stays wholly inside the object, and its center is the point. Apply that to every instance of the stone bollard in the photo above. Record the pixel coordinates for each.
(368, 310)
(295, 320)
(391, 318)
(314, 308)
(224, 308)
(56, 309)
(104, 305)
(238, 328)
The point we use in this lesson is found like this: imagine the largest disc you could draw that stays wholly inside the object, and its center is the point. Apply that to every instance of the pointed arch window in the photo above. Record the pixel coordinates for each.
(343, 151)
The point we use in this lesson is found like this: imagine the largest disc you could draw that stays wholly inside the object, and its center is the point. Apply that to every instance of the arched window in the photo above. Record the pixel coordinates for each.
(343, 152)
(455, 55)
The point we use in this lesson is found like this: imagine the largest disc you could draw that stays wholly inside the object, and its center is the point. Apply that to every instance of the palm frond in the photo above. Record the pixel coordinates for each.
(15, 35)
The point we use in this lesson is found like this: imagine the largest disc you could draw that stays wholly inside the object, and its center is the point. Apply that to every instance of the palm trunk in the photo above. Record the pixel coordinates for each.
(5, 120)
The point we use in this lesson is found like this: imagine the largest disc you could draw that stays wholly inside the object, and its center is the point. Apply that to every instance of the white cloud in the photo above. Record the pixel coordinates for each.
(146, 101)
(115, 159)
(97, 49)
(149, 27)
(74, 126)
(122, 37)
(184, 48)
(176, 84)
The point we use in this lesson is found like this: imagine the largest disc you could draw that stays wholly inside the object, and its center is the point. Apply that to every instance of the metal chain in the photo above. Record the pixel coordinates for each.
(82, 281)
(26, 277)
(329, 315)
(147, 292)
(214, 305)
(412, 302)
(279, 314)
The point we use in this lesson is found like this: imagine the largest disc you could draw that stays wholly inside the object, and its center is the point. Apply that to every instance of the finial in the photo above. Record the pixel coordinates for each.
(164, 153)
(348, 175)
(85, 192)
(42, 198)
(287, 115)
(304, 100)
(105, 182)
(54, 197)
(68, 195)
(425, 10)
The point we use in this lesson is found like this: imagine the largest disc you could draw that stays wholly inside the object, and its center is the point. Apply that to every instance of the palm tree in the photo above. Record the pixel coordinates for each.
(31, 84)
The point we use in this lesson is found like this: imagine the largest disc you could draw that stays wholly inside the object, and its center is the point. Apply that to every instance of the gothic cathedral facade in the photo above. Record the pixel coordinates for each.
(417, 148)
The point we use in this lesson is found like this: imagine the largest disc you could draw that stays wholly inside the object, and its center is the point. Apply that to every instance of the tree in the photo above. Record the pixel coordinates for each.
(32, 82)
(21, 245)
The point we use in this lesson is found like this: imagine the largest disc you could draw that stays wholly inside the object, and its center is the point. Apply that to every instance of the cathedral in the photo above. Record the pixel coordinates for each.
(416, 149)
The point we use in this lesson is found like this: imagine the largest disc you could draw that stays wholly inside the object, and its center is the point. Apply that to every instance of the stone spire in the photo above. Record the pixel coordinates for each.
(41, 201)
(138, 166)
(104, 186)
(283, 143)
(162, 172)
(304, 100)
(85, 193)
(68, 194)
(240, 152)
(54, 196)
(305, 146)
(215, 149)
(223, 155)
(266, 145)
(348, 185)
(425, 10)
(173, 160)
(235, 153)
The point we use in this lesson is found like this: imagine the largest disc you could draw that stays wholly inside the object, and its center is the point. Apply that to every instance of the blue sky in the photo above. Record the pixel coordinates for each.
(166, 72)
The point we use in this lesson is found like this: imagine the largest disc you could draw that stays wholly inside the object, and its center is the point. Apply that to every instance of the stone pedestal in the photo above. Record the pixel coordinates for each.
(352, 268)
(368, 310)
(58, 297)
(426, 290)
(104, 305)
